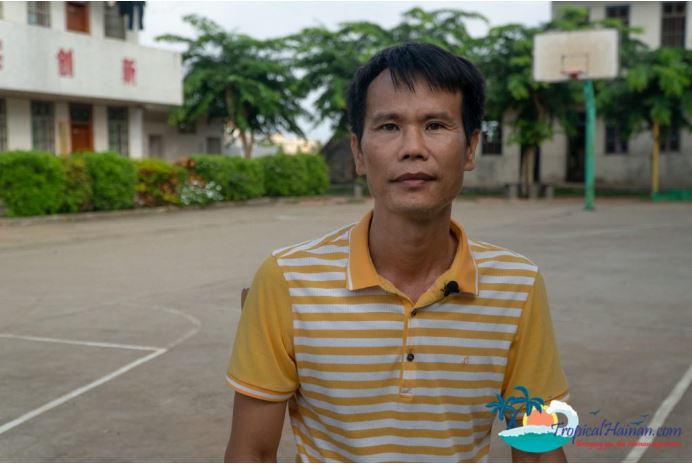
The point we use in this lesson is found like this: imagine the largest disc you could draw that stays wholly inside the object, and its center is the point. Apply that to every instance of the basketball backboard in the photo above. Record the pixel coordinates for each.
(587, 54)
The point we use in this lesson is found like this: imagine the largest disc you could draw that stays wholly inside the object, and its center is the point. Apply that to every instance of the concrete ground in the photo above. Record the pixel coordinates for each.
(115, 333)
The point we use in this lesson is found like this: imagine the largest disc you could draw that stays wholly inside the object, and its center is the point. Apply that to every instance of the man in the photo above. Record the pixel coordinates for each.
(387, 338)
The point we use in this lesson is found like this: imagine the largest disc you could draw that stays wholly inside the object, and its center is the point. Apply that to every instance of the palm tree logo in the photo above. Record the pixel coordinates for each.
(536, 432)
(501, 407)
(513, 405)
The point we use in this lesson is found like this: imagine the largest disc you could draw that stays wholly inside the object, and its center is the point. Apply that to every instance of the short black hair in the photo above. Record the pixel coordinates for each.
(440, 69)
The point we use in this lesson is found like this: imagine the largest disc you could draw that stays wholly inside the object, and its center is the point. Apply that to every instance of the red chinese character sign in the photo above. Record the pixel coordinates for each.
(129, 71)
(65, 67)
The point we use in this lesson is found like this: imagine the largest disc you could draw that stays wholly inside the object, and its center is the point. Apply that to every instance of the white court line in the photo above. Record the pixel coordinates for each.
(61, 400)
(108, 345)
(109, 377)
(661, 414)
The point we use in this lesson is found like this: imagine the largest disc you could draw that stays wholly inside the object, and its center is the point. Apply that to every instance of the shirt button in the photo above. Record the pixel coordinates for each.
(410, 357)
(413, 313)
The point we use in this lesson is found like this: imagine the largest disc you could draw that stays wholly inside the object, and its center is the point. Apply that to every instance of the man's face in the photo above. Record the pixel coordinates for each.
(413, 150)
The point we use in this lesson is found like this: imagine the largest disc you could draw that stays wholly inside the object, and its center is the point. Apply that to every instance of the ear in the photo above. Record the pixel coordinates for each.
(358, 157)
(470, 153)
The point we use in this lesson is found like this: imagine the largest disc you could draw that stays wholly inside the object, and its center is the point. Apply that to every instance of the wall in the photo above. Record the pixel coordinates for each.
(100, 124)
(31, 65)
(496, 170)
(643, 14)
(178, 145)
(18, 123)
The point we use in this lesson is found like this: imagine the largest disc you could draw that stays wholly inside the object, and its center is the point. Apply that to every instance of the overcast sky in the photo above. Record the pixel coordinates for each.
(272, 19)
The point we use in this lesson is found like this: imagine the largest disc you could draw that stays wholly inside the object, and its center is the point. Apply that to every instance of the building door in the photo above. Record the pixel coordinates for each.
(81, 130)
(575, 151)
(77, 14)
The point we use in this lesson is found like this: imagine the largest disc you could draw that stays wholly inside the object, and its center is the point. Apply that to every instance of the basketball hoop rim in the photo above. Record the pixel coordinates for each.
(572, 74)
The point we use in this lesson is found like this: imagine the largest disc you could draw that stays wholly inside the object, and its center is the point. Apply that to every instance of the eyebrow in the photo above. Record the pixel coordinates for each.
(391, 116)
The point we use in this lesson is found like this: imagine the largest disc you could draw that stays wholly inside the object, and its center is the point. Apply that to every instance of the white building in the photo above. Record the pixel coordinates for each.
(74, 77)
(619, 161)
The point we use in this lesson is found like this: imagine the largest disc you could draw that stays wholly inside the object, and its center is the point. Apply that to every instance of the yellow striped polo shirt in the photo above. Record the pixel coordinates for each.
(371, 376)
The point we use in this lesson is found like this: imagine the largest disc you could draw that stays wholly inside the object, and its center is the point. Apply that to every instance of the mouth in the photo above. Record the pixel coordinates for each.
(414, 179)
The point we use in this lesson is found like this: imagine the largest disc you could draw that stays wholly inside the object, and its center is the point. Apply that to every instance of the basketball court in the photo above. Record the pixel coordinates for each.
(115, 333)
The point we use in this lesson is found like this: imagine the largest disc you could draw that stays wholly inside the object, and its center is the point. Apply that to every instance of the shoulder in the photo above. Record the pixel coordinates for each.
(333, 243)
(505, 264)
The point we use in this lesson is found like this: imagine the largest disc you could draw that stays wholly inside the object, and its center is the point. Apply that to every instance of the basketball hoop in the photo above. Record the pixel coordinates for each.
(575, 55)
(579, 56)
(573, 74)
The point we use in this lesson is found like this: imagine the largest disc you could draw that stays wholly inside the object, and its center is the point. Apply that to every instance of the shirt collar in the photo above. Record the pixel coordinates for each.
(361, 271)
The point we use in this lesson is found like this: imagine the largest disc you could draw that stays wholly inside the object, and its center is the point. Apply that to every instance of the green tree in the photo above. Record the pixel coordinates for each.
(245, 81)
(328, 61)
(446, 28)
(512, 95)
(654, 93)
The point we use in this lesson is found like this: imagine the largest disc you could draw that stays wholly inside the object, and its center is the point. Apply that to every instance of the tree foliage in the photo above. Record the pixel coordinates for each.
(243, 80)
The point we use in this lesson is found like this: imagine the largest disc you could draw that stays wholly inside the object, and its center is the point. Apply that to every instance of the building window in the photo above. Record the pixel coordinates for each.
(114, 23)
(77, 14)
(42, 126)
(491, 135)
(39, 13)
(621, 12)
(669, 140)
(3, 125)
(155, 145)
(214, 145)
(615, 141)
(118, 132)
(673, 24)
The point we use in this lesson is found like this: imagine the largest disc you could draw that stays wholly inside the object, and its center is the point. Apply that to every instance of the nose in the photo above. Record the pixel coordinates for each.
(412, 145)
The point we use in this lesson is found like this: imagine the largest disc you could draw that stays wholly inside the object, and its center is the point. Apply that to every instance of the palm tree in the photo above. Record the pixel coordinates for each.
(501, 407)
(529, 402)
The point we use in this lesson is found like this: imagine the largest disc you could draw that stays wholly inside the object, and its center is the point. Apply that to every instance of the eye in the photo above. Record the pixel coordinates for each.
(388, 127)
(435, 125)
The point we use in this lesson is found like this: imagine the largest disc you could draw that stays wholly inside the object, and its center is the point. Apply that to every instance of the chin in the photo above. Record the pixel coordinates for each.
(416, 210)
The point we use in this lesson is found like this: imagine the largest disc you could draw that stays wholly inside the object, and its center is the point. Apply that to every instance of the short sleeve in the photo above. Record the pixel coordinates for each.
(534, 361)
(262, 364)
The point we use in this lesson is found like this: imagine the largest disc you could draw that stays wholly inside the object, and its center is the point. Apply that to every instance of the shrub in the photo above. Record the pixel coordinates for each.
(158, 183)
(199, 192)
(246, 180)
(114, 178)
(31, 183)
(295, 174)
(77, 190)
(318, 173)
(239, 178)
(285, 175)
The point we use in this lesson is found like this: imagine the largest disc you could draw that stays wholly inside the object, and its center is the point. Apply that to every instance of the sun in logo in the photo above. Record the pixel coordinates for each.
(541, 418)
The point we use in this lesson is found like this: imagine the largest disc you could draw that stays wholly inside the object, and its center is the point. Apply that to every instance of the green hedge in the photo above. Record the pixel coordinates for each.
(31, 183)
(77, 191)
(285, 175)
(240, 179)
(38, 183)
(318, 174)
(114, 179)
(158, 183)
(293, 175)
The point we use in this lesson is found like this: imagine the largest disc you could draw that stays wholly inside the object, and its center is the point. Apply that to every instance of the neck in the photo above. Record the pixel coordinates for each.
(411, 253)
